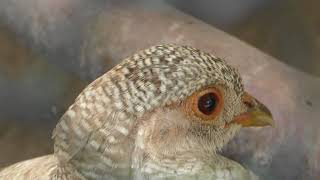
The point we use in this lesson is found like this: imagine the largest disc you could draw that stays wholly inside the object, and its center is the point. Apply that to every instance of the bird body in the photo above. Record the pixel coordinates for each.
(45, 168)
(163, 113)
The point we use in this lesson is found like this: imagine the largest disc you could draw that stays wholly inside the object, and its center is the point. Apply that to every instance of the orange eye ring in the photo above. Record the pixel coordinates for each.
(206, 104)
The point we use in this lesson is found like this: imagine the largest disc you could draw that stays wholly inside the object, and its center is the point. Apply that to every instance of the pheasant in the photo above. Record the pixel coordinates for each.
(163, 113)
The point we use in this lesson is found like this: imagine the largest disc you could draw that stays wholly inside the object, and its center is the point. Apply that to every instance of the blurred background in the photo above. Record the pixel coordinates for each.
(45, 47)
(288, 30)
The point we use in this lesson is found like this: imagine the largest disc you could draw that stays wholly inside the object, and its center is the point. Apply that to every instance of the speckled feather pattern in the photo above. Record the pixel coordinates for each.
(96, 136)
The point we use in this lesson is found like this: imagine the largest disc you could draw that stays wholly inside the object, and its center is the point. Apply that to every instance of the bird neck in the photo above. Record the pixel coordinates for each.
(153, 158)
(182, 164)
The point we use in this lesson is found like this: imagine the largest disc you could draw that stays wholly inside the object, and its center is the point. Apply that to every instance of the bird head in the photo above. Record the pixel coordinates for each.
(167, 102)
(201, 116)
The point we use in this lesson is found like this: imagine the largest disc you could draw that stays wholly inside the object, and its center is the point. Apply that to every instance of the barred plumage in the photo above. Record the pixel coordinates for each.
(111, 130)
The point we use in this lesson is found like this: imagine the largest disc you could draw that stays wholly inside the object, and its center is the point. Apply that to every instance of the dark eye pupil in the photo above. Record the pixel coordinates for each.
(207, 103)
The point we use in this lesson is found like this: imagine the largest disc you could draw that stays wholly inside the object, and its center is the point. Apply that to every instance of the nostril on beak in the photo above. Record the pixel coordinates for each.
(250, 104)
(248, 100)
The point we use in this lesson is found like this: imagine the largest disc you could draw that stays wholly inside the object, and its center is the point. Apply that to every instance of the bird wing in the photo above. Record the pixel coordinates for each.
(233, 173)
(39, 168)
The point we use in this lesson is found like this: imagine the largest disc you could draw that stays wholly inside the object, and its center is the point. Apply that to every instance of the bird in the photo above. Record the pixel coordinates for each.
(163, 113)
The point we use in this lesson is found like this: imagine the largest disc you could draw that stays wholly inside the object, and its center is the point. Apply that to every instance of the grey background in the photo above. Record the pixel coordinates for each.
(50, 50)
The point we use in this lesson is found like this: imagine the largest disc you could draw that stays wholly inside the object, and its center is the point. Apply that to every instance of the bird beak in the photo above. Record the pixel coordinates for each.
(256, 115)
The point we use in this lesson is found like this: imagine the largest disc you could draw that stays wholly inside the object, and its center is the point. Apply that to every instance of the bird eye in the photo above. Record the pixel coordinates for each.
(206, 104)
